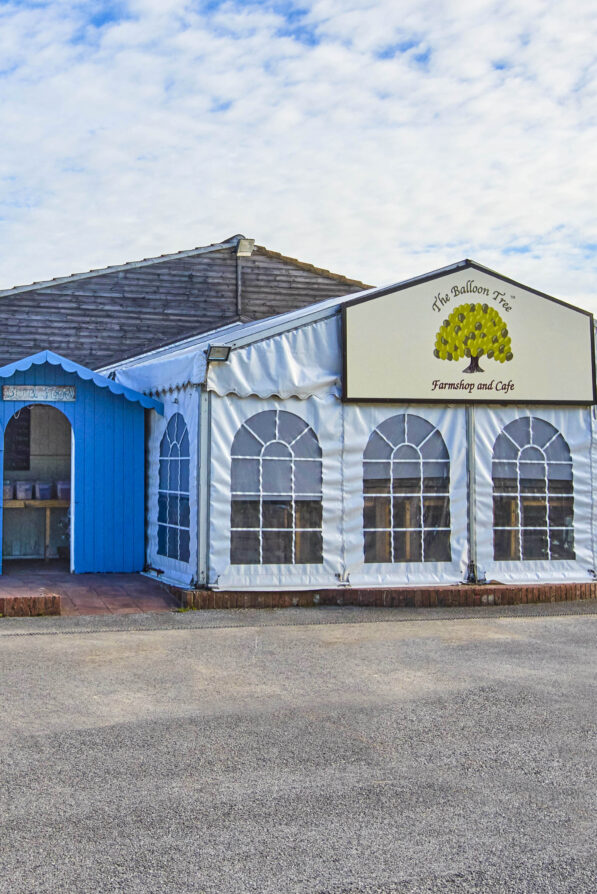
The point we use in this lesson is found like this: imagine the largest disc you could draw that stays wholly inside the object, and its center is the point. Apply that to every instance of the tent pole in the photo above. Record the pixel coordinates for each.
(203, 479)
(472, 574)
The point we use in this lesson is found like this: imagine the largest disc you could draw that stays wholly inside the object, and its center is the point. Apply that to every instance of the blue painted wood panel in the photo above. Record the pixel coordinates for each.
(109, 469)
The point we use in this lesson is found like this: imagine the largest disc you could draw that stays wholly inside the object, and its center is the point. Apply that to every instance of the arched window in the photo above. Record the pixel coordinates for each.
(533, 502)
(275, 514)
(406, 492)
(173, 493)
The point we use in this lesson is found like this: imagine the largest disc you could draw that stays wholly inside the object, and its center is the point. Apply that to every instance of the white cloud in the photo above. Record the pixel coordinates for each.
(382, 140)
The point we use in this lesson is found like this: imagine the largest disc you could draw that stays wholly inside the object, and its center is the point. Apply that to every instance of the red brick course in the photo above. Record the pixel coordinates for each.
(414, 597)
(30, 605)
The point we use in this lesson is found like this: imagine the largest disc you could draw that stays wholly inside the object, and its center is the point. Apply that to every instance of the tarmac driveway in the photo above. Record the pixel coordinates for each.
(371, 753)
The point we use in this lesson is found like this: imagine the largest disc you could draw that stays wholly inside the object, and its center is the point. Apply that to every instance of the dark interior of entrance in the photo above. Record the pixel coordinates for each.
(37, 486)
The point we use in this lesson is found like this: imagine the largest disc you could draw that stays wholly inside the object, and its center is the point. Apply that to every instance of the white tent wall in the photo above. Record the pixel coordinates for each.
(343, 432)
(324, 415)
(359, 423)
(575, 425)
(184, 401)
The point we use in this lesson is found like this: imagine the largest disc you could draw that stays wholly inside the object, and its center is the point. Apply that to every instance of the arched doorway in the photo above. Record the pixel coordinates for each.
(37, 488)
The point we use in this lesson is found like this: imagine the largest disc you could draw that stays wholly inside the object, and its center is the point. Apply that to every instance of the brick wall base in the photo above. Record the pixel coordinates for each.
(30, 606)
(415, 597)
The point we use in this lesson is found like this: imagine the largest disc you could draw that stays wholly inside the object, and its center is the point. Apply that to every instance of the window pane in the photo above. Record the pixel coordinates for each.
(376, 512)
(558, 450)
(434, 447)
(174, 475)
(560, 485)
(534, 512)
(377, 478)
(184, 475)
(407, 546)
(437, 546)
(505, 478)
(542, 432)
(377, 546)
(277, 450)
(276, 477)
(244, 513)
(308, 547)
(529, 485)
(307, 477)
(277, 513)
(162, 508)
(531, 454)
(506, 546)
(407, 485)
(504, 448)
(185, 512)
(561, 512)
(307, 514)
(377, 448)
(277, 547)
(562, 544)
(263, 425)
(184, 546)
(245, 476)
(162, 540)
(417, 428)
(245, 443)
(172, 510)
(164, 463)
(244, 547)
(290, 427)
(520, 431)
(184, 444)
(436, 512)
(505, 512)
(534, 544)
(405, 469)
(172, 543)
(407, 512)
(307, 445)
(170, 434)
(407, 452)
(436, 477)
(393, 429)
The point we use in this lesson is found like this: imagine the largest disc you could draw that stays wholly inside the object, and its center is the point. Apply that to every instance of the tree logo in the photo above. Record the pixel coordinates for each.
(473, 330)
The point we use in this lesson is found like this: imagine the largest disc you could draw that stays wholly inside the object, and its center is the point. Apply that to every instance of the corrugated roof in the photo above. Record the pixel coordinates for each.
(86, 374)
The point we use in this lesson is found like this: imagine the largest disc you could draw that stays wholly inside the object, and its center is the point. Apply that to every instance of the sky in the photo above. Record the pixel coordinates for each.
(380, 140)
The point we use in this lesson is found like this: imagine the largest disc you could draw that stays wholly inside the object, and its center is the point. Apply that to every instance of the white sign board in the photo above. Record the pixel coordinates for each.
(39, 392)
(467, 335)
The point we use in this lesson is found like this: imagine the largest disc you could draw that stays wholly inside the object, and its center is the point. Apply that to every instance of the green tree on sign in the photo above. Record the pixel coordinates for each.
(473, 330)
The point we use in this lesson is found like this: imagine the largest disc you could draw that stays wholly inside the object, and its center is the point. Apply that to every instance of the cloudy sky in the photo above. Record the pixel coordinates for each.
(380, 139)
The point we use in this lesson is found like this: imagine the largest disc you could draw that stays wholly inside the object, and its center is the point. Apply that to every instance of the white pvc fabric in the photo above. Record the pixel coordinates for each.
(299, 372)
(185, 402)
(298, 363)
(574, 424)
(343, 432)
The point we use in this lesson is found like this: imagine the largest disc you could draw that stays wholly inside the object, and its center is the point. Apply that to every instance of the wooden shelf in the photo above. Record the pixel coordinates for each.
(36, 504)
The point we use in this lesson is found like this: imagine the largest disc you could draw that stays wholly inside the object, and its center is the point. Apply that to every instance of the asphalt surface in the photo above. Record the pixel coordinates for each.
(335, 751)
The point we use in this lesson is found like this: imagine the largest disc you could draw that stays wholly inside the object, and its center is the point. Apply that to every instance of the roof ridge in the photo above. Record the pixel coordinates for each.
(312, 268)
(185, 253)
(115, 268)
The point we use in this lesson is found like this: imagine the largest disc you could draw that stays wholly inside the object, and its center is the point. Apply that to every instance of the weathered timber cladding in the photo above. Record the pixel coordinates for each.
(118, 314)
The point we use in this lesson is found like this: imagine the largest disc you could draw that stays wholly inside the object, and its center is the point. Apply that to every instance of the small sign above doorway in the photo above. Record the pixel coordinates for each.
(39, 392)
